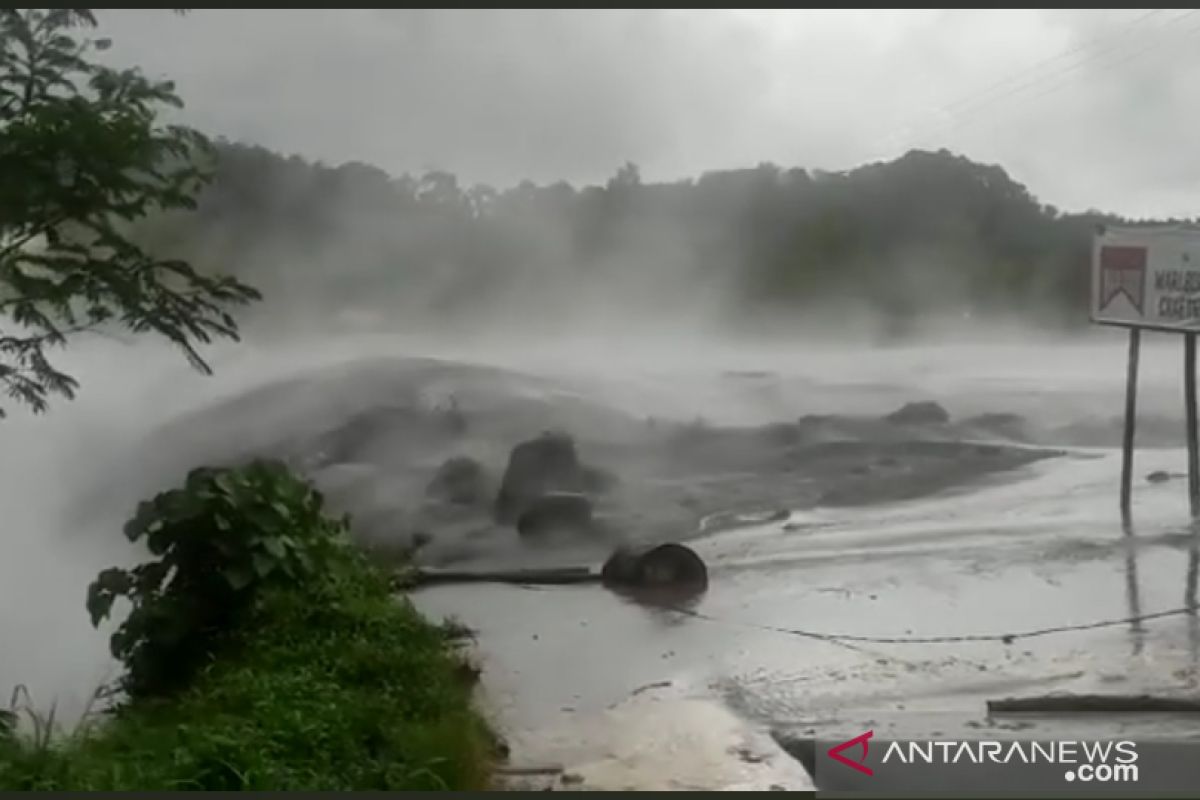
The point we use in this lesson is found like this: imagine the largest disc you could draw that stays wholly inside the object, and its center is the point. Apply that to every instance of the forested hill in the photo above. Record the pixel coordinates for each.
(928, 233)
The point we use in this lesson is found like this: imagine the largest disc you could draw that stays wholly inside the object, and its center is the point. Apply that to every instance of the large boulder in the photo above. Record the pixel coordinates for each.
(536, 467)
(556, 512)
(460, 481)
(664, 566)
(921, 413)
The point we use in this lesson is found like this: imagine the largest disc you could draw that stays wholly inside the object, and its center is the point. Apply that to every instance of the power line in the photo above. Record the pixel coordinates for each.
(978, 102)
(1005, 638)
(971, 118)
(974, 96)
(1115, 37)
(1131, 57)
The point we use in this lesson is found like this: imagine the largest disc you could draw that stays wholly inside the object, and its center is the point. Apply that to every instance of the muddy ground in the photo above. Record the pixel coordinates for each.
(373, 434)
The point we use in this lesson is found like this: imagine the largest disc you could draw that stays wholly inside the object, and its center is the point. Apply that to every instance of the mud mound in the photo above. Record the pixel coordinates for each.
(459, 481)
(921, 413)
(405, 447)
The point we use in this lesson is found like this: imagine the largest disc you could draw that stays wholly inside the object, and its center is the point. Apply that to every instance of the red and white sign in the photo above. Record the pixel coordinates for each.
(1147, 278)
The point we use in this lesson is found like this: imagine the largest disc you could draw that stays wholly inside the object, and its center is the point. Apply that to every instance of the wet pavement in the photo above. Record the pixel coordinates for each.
(1038, 548)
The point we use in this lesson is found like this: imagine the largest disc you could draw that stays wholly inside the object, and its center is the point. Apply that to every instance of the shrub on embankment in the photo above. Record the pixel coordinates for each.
(261, 652)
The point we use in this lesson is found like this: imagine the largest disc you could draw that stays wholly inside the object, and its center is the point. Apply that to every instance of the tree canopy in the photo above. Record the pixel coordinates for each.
(84, 155)
(930, 232)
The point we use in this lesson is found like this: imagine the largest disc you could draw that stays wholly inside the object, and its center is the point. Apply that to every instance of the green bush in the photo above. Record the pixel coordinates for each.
(220, 539)
(341, 688)
(289, 661)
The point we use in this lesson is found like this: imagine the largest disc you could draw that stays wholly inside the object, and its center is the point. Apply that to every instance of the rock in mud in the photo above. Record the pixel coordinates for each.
(782, 433)
(459, 481)
(543, 465)
(921, 413)
(556, 512)
(667, 565)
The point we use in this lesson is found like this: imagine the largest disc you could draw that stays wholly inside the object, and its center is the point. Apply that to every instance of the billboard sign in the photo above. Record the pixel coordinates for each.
(1147, 278)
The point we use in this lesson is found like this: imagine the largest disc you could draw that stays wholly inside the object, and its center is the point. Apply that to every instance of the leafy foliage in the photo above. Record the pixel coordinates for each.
(332, 686)
(219, 540)
(84, 156)
(315, 676)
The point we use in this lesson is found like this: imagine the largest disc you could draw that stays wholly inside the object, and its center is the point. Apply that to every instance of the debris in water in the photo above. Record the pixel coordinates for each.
(747, 755)
(649, 686)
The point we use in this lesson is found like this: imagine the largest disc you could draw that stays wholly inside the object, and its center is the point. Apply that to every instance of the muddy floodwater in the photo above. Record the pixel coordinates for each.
(976, 532)
(1037, 550)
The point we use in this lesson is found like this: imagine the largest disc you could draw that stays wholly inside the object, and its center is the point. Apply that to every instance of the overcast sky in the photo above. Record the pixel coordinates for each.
(1087, 108)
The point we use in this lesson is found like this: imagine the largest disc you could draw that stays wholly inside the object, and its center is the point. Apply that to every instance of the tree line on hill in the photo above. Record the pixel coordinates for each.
(930, 233)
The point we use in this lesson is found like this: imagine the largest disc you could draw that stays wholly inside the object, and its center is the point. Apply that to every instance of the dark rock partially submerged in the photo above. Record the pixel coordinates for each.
(536, 467)
(459, 481)
(665, 566)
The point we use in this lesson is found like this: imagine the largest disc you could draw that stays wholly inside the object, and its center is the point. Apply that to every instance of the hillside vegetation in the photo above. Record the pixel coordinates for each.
(929, 233)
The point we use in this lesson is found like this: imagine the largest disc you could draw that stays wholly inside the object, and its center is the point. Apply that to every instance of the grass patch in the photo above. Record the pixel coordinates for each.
(338, 688)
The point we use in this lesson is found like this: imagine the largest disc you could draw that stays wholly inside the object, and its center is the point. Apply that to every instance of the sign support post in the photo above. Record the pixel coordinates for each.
(1148, 278)
(1131, 380)
(1193, 442)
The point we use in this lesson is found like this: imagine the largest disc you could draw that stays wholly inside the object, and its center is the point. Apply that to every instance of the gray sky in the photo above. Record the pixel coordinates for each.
(1112, 121)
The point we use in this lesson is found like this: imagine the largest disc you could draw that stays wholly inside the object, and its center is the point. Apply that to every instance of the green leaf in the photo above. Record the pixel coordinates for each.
(276, 546)
(99, 603)
(238, 576)
(226, 483)
(159, 541)
(8, 722)
(135, 527)
(263, 565)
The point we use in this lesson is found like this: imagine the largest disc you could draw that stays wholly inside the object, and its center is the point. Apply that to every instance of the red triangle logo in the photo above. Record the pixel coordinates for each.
(835, 753)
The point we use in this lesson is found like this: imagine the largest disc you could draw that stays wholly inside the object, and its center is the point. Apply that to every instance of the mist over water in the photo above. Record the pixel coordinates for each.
(69, 479)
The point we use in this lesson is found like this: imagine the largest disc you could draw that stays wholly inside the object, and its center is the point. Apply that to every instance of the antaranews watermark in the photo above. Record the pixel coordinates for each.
(1087, 761)
(871, 763)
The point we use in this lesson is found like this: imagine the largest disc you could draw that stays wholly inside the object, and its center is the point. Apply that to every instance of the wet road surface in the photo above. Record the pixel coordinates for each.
(1038, 548)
